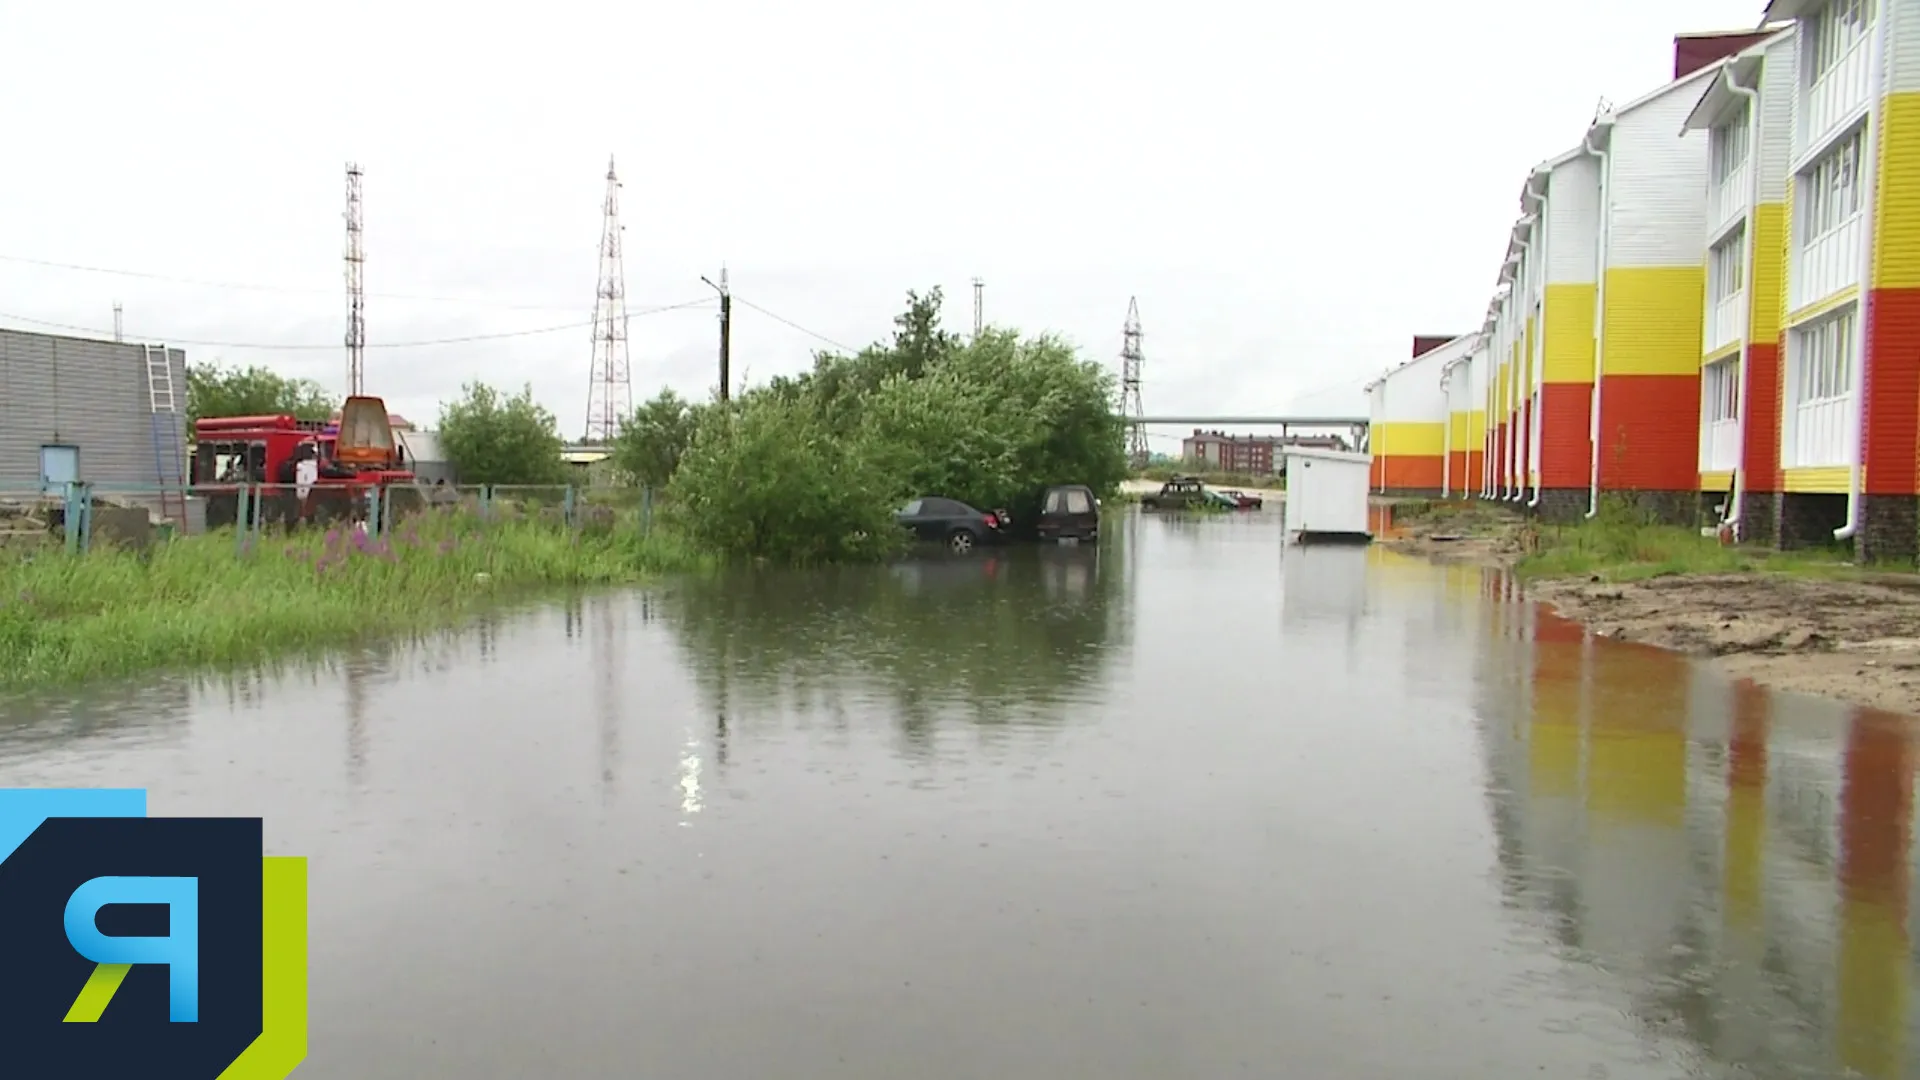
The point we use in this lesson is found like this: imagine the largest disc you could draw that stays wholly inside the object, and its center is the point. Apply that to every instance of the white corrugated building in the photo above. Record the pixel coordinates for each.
(1408, 418)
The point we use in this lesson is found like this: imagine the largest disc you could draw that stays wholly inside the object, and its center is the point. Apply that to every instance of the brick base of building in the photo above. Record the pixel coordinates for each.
(1563, 506)
(1804, 521)
(1889, 529)
(1756, 517)
(1660, 507)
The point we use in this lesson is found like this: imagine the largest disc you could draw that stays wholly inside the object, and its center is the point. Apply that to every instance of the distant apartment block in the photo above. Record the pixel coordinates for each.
(1258, 455)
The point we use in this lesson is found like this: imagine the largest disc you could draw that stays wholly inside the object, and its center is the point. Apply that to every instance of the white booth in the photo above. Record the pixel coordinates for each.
(1327, 496)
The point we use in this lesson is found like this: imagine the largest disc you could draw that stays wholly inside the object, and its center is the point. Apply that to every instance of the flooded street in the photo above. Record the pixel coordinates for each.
(1181, 806)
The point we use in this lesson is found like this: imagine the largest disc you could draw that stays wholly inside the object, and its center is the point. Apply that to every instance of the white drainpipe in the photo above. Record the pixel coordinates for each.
(1869, 158)
(1540, 364)
(1522, 286)
(1605, 158)
(1739, 485)
(1446, 433)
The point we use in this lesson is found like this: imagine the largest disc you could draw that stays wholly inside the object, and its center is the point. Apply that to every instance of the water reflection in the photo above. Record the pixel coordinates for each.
(1732, 866)
(994, 637)
(1260, 811)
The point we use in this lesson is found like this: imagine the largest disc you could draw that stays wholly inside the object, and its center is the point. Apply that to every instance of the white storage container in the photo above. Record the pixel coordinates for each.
(1327, 496)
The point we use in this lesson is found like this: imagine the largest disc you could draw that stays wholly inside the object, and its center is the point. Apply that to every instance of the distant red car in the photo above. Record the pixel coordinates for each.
(1246, 501)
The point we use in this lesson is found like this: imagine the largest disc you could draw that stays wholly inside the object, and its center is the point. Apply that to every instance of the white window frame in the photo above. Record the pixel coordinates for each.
(1727, 268)
(1823, 367)
(1835, 32)
(1729, 147)
(1831, 190)
(1720, 391)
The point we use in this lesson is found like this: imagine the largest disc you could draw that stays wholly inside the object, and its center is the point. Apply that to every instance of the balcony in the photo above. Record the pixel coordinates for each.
(1727, 201)
(1828, 265)
(1817, 435)
(1838, 95)
(1720, 446)
(1726, 322)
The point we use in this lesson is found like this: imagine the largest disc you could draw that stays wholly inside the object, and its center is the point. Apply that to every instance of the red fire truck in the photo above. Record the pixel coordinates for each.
(357, 454)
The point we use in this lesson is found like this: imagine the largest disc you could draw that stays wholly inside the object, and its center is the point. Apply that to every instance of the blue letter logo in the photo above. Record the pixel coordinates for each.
(179, 950)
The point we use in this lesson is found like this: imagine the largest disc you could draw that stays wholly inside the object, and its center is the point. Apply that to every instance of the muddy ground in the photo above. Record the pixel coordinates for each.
(1856, 639)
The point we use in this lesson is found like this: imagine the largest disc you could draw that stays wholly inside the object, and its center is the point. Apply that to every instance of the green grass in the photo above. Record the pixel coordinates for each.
(1622, 545)
(197, 602)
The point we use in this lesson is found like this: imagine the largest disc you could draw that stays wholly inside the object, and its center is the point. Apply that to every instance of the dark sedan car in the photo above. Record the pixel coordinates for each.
(953, 523)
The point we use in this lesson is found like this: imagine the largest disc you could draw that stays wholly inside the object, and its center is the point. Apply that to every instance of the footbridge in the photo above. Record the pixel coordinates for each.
(1355, 426)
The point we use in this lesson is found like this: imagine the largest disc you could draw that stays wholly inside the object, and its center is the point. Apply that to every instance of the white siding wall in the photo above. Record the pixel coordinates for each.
(1779, 84)
(1903, 52)
(1573, 217)
(1659, 190)
(1413, 392)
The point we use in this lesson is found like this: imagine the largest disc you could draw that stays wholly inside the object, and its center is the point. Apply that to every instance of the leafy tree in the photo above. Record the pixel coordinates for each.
(213, 390)
(811, 468)
(769, 479)
(651, 442)
(493, 439)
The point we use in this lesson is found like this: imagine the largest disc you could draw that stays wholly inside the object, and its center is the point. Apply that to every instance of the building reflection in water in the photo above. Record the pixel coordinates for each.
(1736, 866)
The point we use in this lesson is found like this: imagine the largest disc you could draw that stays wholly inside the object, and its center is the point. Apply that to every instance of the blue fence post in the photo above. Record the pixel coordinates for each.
(567, 510)
(374, 506)
(646, 509)
(486, 502)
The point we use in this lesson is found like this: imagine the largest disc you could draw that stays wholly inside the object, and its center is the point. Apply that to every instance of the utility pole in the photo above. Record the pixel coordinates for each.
(979, 305)
(356, 288)
(609, 384)
(119, 333)
(726, 329)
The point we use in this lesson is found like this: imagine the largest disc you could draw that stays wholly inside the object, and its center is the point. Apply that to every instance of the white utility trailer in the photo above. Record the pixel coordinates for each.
(1327, 496)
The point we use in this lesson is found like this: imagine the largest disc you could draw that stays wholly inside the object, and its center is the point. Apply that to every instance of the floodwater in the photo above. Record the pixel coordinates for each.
(1182, 806)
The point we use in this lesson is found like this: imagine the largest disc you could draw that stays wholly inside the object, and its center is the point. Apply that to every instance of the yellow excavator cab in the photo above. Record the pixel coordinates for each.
(366, 433)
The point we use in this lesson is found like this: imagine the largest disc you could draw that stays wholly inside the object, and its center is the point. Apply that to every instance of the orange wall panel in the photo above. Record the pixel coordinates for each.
(1650, 432)
(1409, 472)
(1893, 392)
(1566, 418)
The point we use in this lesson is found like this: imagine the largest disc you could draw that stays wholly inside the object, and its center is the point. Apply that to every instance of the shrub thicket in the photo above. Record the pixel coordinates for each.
(811, 468)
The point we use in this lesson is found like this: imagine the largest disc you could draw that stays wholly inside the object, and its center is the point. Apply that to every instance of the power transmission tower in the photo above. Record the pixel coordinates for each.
(1130, 406)
(979, 305)
(356, 288)
(610, 387)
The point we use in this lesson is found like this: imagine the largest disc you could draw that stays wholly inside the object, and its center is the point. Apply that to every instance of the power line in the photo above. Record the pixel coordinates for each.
(789, 322)
(282, 289)
(286, 347)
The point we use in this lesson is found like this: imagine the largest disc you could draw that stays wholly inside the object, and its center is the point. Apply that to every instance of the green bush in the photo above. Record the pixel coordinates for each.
(811, 468)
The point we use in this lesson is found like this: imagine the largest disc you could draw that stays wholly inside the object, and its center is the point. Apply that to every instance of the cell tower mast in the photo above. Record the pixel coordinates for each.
(979, 305)
(610, 388)
(356, 287)
(1130, 406)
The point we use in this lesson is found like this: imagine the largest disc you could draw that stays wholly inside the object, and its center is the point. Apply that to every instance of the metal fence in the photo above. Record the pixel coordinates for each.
(74, 515)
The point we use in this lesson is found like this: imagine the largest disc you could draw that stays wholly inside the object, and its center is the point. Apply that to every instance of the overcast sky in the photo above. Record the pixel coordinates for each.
(1291, 197)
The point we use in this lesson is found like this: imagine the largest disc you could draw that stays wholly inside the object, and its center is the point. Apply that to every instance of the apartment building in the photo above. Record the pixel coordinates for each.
(1407, 413)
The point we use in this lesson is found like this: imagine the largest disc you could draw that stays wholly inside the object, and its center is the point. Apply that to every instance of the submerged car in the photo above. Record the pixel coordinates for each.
(950, 522)
(1179, 493)
(1242, 500)
(1069, 512)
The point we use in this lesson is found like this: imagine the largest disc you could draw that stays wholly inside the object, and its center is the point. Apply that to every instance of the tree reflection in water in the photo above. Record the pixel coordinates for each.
(1005, 636)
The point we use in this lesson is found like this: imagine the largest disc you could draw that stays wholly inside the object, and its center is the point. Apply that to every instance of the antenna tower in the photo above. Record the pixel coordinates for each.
(609, 388)
(1130, 406)
(979, 308)
(356, 288)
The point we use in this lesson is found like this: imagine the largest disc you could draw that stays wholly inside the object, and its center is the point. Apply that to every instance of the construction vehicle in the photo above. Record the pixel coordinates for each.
(358, 456)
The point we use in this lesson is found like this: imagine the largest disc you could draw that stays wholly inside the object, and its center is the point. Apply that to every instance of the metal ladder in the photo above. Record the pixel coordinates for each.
(167, 448)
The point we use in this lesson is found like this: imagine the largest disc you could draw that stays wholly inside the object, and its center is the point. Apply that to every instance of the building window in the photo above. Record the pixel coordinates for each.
(1824, 371)
(1726, 267)
(1837, 30)
(1830, 191)
(1729, 147)
(1720, 391)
